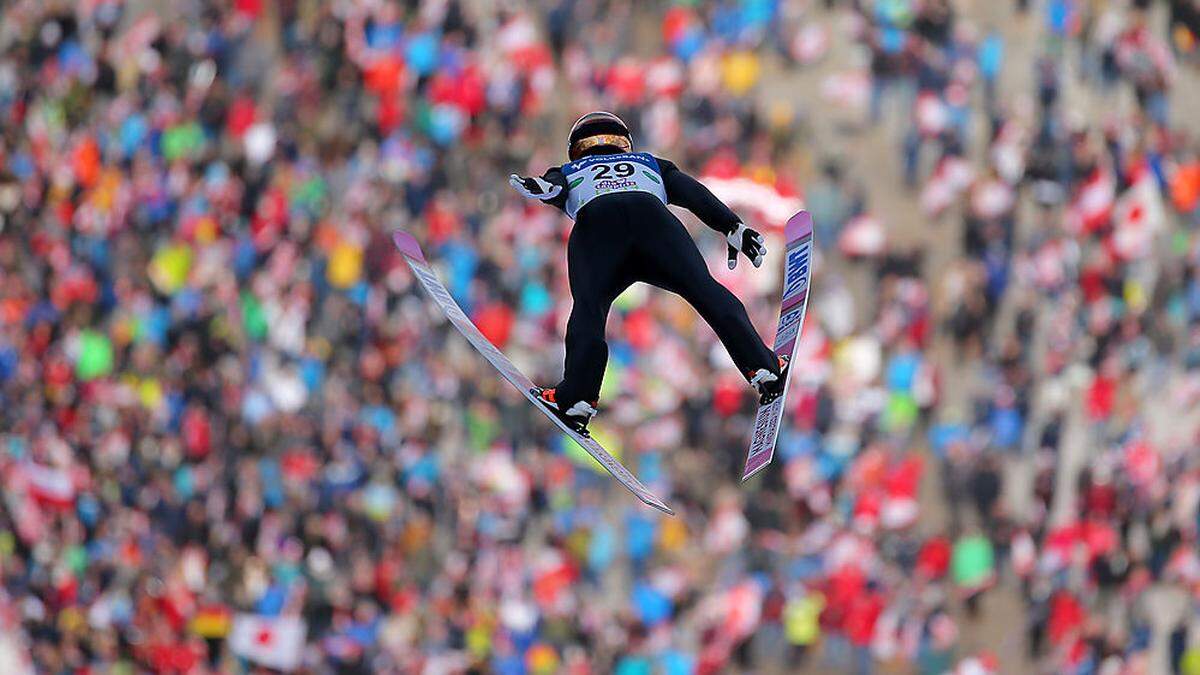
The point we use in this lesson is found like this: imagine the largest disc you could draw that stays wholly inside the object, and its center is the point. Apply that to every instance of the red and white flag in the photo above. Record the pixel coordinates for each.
(851, 90)
(1137, 217)
(273, 641)
(863, 237)
(1092, 205)
(931, 114)
(743, 609)
(811, 43)
(51, 487)
(775, 203)
(665, 77)
(952, 176)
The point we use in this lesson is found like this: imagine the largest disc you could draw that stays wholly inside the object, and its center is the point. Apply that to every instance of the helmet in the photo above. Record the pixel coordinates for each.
(597, 130)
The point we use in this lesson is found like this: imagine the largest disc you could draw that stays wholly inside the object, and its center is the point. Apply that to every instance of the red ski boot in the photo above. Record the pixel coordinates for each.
(769, 385)
(575, 417)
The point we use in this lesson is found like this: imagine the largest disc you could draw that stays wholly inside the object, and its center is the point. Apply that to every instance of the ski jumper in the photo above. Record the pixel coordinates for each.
(624, 233)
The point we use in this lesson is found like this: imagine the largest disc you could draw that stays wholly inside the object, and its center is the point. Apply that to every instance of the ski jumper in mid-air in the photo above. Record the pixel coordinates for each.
(624, 233)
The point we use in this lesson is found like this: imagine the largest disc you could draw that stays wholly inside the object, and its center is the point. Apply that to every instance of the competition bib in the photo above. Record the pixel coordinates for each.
(598, 175)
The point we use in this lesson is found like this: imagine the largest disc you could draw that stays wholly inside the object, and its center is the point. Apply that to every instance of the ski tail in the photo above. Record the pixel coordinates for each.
(797, 274)
(411, 250)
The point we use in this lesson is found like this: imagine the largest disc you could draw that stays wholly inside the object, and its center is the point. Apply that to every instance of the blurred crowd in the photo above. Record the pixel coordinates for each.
(234, 434)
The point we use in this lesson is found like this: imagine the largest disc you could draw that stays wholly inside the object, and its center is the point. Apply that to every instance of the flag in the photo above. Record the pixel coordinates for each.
(211, 622)
(973, 562)
(273, 641)
(14, 654)
(743, 609)
(811, 43)
(1092, 204)
(773, 202)
(952, 175)
(850, 90)
(931, 114)
(1137, 217)
(863, 237)
(51, 487)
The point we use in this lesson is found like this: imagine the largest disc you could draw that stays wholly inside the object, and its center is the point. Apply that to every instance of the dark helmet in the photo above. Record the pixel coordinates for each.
(598, 132)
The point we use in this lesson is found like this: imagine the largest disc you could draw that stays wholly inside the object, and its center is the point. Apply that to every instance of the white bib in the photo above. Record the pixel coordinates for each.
(597, 175)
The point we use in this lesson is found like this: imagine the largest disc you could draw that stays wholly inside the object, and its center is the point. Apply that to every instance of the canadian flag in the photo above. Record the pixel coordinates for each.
(273, 641)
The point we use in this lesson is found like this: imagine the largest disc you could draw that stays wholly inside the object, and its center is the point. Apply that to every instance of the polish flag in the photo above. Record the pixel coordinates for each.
(1008, 152)
(774, 202)
(863, 237)
(743, 609)
(51, 487)
(1093, 203)
(951, 177)
(811, 43)
(1142, 463)
(273, 641)
(931, 114)
(665, 77)
(851, 90)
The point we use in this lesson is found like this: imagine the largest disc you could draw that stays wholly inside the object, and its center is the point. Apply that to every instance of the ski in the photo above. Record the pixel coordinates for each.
(797, 272)
(411, 250)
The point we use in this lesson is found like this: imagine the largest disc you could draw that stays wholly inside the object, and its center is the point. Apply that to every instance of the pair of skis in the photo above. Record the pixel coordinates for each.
(797, 272)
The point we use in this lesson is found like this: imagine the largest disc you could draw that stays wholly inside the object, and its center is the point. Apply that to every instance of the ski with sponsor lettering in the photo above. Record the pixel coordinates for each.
(797, 271)
(416, 261)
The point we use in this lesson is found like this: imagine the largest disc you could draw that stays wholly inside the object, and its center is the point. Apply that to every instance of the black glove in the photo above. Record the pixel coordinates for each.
(749, 242)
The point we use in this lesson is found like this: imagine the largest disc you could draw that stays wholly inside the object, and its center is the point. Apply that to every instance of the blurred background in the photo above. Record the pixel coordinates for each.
(235, 436)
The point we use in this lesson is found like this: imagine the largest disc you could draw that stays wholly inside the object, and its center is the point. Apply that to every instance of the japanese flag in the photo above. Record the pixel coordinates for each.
(273, 641)
(1138, 217)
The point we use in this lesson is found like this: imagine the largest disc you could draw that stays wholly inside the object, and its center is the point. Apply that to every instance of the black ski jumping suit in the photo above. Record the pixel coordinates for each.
(624, 233)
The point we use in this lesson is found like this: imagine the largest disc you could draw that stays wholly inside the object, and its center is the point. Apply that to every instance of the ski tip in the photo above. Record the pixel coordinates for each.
(798, 226)
(655, 503)
(408, 245)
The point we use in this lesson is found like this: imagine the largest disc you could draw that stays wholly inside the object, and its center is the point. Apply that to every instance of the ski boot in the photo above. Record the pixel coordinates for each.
(770, 385)
(576, 417)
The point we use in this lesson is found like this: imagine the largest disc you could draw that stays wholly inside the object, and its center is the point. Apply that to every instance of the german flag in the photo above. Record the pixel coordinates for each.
(212, 622)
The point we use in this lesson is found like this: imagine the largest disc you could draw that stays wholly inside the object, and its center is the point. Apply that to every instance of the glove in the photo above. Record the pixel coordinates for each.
(534, 188)
(747, 241)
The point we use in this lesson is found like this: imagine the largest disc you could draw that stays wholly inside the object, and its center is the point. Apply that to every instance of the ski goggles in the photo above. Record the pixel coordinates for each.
(615, 140)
